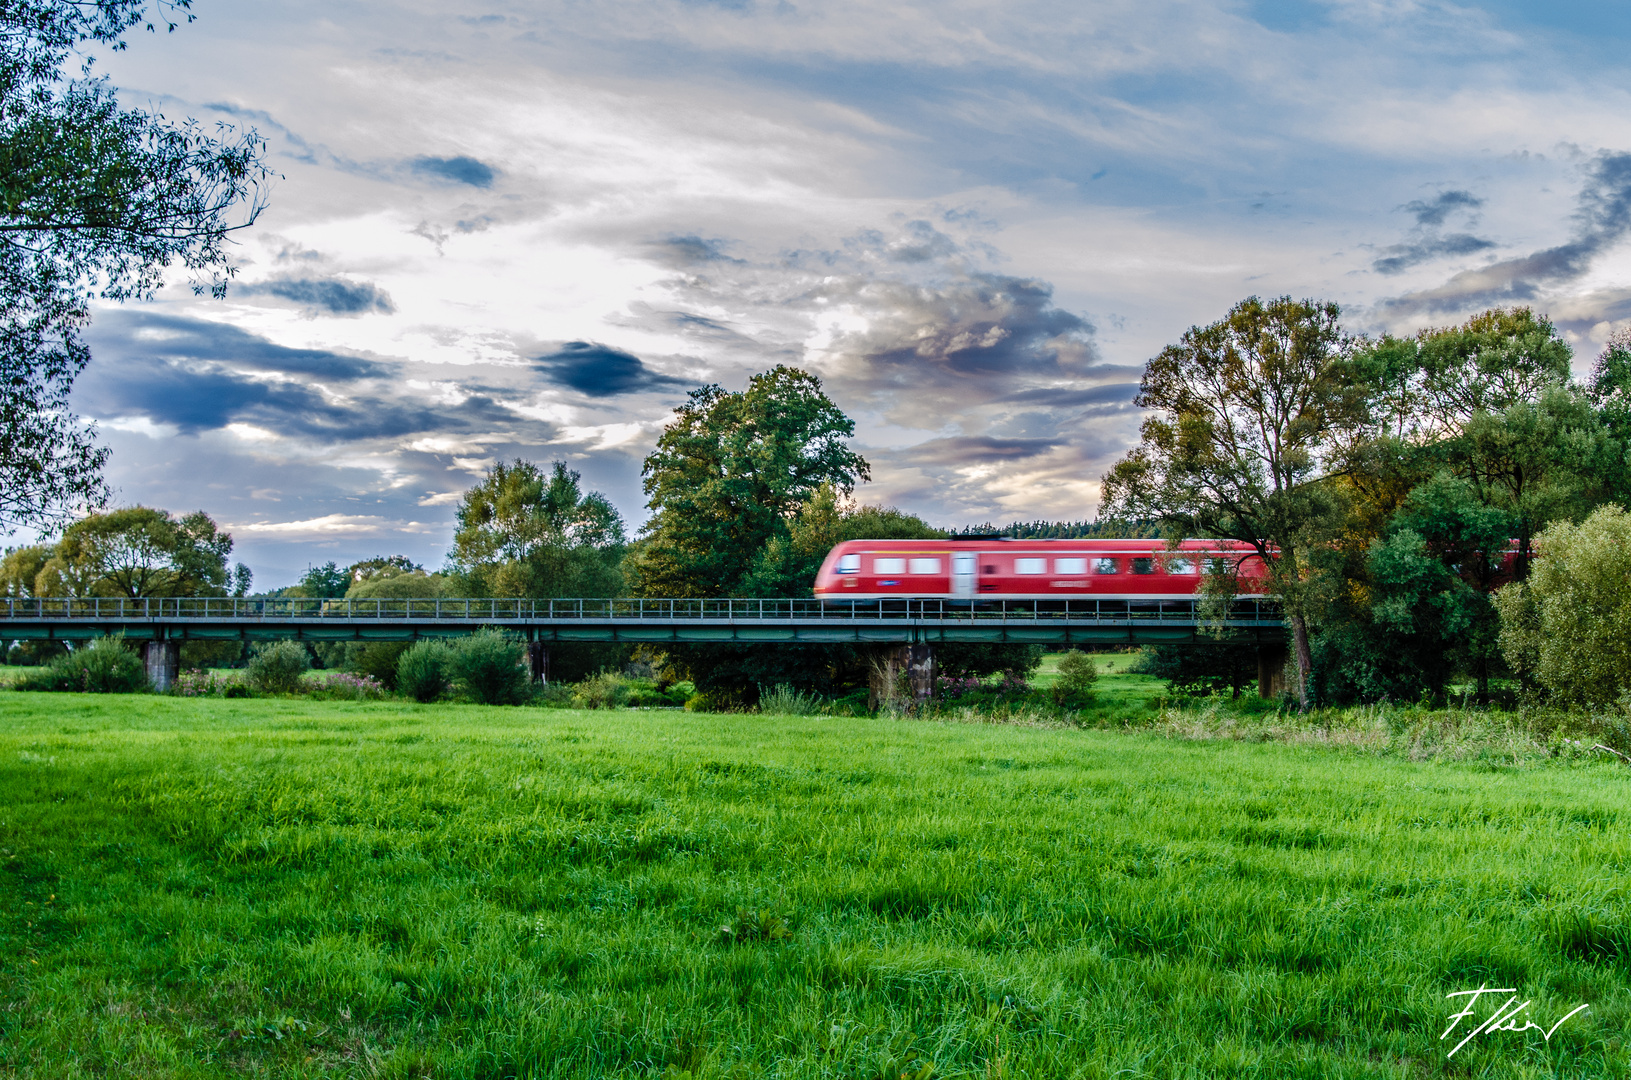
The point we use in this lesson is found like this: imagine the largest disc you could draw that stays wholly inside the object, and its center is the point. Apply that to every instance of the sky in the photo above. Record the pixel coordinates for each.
(509, 231)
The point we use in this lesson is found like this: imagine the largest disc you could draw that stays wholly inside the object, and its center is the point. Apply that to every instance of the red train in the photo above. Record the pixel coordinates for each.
(1004, 569)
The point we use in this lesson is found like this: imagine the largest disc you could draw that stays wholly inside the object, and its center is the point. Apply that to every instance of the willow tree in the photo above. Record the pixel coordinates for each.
(1244, 427)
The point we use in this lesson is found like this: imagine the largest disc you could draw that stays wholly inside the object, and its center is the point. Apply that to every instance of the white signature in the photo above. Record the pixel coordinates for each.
(1505, 1018)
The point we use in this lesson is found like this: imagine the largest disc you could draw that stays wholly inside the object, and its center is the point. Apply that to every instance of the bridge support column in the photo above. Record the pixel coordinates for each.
(901, 671)
(163, 660)
(920, 671)
(1271, 668)
(538, 661)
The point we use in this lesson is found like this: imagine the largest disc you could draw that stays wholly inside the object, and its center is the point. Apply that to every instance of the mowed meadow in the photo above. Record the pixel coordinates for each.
(207, 887)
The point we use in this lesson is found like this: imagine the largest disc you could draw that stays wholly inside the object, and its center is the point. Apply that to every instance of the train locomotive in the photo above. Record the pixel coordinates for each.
(992, 569)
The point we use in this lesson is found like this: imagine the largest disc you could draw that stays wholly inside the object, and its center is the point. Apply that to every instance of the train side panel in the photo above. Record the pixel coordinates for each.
(1016, 569)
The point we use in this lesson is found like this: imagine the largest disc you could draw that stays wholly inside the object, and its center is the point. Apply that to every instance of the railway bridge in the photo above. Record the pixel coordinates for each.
(913, 626)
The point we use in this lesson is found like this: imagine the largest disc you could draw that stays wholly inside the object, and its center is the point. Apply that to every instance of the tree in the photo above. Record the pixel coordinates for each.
(95, 201)
(1246, 415)
(728, 475)
(1569, 625)
(20, 569)
(139, 551)
(377, 567)
(524, 532)
(322, 582)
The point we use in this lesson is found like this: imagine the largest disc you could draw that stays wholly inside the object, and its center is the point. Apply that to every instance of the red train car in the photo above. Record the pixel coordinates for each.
(1004, 569)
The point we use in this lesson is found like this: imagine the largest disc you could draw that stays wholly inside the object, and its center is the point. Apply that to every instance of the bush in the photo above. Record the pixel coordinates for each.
(101, 666)
(606, 690)
(783, 700)
(1073, 689)
(489, 667)
(422, 670)
(343, 686)
(378, 660)
(277, 666)
(197, 683)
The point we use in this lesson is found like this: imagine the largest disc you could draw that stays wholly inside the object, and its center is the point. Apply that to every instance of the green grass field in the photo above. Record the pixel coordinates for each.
(281, 888)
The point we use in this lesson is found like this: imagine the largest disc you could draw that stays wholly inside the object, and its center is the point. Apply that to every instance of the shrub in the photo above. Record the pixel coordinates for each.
(783, 700)
(196, 683)
(422, 670)
(607, 690)
(378, 660)
(1073, 688)
(488, 666)
(101, 666)
(343, 686)
(277, 666)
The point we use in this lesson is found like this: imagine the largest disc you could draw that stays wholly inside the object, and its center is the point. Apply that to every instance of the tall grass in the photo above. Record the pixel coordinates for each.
(280, 887)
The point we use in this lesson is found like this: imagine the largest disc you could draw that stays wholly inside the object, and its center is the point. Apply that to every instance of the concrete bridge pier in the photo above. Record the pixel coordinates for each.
(538, 661)
(911, 665)
(1271, 669)
(163, 660)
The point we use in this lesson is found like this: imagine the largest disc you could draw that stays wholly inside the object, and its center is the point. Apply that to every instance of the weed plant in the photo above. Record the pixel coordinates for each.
(281, 887)
(422, 671)
(783, 700)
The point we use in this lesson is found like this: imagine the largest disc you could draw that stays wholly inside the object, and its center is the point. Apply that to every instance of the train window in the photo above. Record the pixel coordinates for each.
(1178, 565)
(1220, 566)
(1030, 566)
(1070, 566)
(849, 564)
(1143, 566)
(889, 566)
(925, 566)
(1106, 566)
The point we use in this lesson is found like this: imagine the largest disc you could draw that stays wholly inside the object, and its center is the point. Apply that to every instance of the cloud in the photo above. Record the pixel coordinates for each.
(333, 296)
(197, 376)
(963, 450)
(1401, 257)
(152, 334)
(1602, 218)
(1432, 212)
(459, 170)
(601, 371)
(981, 332)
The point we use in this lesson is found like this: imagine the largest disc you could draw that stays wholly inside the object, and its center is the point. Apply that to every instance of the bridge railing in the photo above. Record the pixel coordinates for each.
(282, 609)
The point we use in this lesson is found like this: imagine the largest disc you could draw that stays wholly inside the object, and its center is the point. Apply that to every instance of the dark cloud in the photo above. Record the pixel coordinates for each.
(1062, 398)
(199, 376)
(1432, 212)
(197, 398)
(985, 327)
(459, 170)
(1602, 217)
(135, 333)
(1401, 257)
(333, 296)
(974, 449)
(601, 371)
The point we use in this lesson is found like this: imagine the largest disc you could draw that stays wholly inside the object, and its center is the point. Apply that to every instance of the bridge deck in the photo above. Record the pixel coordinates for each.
(636, 620)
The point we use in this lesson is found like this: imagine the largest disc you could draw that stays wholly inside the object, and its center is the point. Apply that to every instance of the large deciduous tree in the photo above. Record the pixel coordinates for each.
(140, 551)
(95, 201)
(523, 531)
(728, 475)
(1245, 415)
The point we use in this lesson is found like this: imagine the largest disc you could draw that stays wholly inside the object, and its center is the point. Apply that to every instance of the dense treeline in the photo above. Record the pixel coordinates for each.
(1397, 487)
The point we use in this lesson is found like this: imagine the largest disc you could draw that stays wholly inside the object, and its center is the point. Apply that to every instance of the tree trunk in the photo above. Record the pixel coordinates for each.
(1304, 657)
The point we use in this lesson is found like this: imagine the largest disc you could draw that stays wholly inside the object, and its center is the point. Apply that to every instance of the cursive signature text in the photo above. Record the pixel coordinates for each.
(1506, 1018)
